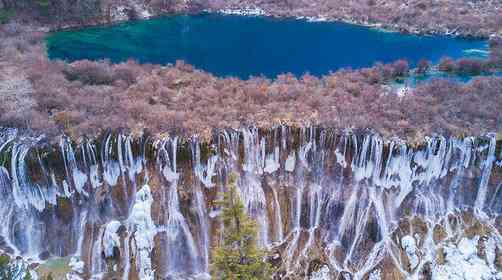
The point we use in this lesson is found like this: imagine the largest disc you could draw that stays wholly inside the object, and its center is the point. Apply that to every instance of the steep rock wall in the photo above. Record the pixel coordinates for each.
(328, 203)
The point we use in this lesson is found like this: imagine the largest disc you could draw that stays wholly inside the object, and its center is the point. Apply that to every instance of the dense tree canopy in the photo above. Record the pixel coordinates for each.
(86, 97)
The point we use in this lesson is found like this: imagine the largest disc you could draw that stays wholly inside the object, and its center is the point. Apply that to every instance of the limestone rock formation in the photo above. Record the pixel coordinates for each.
(329, 204)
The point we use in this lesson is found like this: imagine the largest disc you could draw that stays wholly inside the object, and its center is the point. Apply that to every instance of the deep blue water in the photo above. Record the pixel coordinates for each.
(252, 46)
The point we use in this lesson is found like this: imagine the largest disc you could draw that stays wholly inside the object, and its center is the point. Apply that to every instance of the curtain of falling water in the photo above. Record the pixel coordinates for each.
(139, 208)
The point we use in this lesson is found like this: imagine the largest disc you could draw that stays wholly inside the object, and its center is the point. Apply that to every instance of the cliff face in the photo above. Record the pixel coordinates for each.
(328, 204)
(64, 13)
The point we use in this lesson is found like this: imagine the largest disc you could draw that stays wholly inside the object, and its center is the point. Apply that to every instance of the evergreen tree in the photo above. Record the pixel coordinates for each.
(238, 258)
(6, 15)
(10, 270)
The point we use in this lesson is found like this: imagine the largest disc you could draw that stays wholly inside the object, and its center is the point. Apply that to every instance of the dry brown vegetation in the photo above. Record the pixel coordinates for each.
(86, 97)
(462, 17)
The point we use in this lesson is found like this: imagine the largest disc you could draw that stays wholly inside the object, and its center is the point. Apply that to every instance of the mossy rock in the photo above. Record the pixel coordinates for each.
(57, 268)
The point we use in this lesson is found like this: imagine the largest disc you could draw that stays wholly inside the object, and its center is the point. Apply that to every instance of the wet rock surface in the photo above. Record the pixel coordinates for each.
(329, 205)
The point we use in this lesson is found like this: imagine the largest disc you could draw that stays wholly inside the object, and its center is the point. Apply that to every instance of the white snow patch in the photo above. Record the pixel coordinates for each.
(463, 263)
(142, 11)
(317, 19)
(290, 162)
(73, 276)
(410, 247)
(111, 238)
(119, 13)
(141, 223)
(340, 158)
(375, 275)
(403, 90)
(321, 274)
(246, 11)
(76, 265)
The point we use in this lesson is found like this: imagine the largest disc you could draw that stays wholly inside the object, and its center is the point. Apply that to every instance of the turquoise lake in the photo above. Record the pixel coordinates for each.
(252, 46)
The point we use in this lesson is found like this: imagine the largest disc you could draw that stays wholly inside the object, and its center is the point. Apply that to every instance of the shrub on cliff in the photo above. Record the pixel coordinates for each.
(238, 258)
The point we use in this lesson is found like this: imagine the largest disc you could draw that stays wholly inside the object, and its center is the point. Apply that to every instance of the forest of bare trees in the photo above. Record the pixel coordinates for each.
(86, 97)
(462, 17)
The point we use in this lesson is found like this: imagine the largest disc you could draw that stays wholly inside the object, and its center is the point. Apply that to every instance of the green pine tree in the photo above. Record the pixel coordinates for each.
(238, 258)
(27, 276)
(9, 270)
(6, 15)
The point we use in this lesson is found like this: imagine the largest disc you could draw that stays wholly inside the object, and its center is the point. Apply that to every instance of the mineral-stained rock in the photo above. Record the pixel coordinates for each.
(498, 258)
(420, 229)
(440, 256)
(339, 210)
(476, 229)
(481, 247)
(439, 234)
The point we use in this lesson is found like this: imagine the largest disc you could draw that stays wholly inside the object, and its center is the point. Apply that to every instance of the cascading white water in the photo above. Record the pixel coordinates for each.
(180, 248)
(250, 188)
(356, 202)
(205, 174)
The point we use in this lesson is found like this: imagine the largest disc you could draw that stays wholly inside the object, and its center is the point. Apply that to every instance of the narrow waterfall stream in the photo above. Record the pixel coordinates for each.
(328, 203)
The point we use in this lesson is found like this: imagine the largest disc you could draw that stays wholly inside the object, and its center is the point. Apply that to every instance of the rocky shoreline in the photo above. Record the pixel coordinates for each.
(120, 17)
(473, 21)
(250, 11)
(457, 18)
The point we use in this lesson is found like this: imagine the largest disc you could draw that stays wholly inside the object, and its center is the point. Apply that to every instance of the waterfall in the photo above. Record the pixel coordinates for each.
(327, 203)
(180, 245)
(205, 174)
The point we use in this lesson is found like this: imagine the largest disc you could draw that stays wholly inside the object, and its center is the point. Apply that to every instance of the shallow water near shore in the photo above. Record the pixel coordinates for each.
(228, 45)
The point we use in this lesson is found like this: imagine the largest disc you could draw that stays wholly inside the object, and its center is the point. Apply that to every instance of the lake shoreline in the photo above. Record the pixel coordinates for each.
(253, 12)
(62, 91)
(204, 47)
(85, 98)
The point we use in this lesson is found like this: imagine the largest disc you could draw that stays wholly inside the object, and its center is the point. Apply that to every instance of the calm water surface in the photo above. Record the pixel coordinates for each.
(252, 46)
